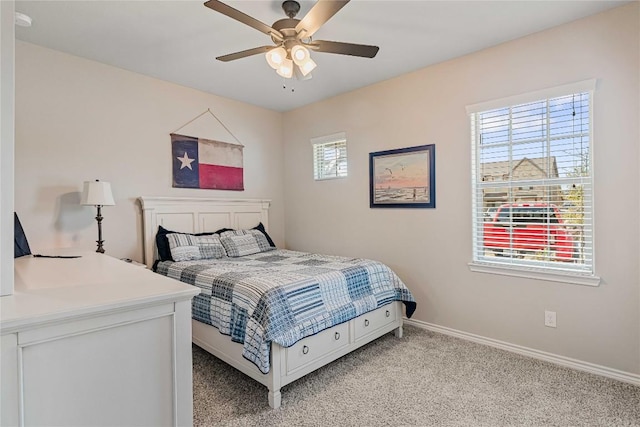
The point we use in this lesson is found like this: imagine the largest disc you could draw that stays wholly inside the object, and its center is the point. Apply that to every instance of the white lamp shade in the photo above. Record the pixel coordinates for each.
(298, 74)
(286, 69)
(97, 193)
(275, 57)
(299, 54)
(307, 66)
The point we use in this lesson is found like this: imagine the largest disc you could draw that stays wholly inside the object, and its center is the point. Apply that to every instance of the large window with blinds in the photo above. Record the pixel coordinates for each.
(532, 184)
(330, 156)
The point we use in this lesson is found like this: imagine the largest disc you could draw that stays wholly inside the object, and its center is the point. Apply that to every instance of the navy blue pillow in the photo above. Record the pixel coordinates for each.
(260, 228)
(164, 250)
(222, 230)
(162, 243)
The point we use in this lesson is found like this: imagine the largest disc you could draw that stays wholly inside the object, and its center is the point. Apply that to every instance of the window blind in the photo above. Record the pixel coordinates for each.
(532, 185)
(330, 157)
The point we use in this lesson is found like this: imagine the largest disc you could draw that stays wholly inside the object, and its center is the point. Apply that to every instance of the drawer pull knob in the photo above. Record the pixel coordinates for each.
(305, 349)
(387, 313)
(366, 322)
(337, 336)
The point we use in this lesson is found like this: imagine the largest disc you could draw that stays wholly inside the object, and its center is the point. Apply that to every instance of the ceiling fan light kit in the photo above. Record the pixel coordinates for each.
(300, 54)
(292, 37)
(307, 67)
(275, 57)
(285, 69)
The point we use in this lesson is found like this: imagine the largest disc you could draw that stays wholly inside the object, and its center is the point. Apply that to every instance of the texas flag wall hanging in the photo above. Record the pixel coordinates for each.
(203, 163)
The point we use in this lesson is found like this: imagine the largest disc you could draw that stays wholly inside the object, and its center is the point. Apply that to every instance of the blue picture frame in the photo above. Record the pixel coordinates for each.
(403, 178)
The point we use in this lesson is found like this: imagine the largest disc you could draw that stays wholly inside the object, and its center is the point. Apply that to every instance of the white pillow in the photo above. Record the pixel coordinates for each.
(186, 247)
(244, 242)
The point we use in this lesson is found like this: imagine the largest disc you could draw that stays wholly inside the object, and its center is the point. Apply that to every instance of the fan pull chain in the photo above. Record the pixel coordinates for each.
(284, 85)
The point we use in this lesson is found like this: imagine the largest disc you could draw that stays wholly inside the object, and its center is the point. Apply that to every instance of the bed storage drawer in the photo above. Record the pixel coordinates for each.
(314, 347)
(374, 320)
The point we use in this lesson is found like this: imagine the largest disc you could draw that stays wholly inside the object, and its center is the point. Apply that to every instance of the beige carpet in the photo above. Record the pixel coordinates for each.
(423, 379)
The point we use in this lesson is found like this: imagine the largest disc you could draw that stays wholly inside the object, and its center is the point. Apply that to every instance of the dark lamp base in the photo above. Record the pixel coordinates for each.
(99, 241)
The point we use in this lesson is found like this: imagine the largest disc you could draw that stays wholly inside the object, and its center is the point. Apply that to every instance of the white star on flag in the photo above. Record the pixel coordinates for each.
(186, 161)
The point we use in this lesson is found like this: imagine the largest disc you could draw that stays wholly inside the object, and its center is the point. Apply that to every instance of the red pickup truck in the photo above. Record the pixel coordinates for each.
(526, 229)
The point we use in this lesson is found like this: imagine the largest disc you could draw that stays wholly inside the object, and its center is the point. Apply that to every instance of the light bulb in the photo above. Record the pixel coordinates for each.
(286, 69)
(307, 66)
(275, 57)
(299, 54)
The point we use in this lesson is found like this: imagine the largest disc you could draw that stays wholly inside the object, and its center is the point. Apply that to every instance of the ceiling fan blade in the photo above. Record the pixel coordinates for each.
(244, 53)
(218, 6)
(320, 13)
(352, 49)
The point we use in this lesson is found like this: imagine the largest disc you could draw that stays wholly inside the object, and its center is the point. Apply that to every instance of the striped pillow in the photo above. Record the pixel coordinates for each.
(186, 247)
(244, 242)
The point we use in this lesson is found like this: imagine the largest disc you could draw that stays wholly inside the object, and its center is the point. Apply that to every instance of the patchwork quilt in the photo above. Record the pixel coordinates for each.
(283, 296)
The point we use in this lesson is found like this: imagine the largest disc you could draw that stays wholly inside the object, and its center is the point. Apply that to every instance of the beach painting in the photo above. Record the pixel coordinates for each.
(403, 177)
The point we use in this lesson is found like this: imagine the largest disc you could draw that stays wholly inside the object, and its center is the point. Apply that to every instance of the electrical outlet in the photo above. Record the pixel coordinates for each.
(550, 318)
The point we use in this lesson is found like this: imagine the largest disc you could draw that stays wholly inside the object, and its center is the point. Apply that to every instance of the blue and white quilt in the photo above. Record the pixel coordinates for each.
(283, 296)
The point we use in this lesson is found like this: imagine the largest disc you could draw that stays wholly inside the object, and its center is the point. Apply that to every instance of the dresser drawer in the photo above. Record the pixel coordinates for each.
(374, 320)
(315, 347)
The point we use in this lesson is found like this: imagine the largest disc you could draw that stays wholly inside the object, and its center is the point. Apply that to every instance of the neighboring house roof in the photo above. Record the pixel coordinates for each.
(500, 170)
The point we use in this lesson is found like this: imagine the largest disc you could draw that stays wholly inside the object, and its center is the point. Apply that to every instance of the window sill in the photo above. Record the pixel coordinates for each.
(329, 178)
(575, 279)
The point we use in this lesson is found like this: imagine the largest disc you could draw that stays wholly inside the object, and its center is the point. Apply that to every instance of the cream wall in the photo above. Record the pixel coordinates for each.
(430, 248)
(80, 120)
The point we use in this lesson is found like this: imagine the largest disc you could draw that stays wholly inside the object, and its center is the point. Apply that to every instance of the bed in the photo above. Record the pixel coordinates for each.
(323, 307)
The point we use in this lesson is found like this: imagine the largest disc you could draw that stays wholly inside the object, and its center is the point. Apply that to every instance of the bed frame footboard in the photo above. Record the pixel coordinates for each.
(308, 354)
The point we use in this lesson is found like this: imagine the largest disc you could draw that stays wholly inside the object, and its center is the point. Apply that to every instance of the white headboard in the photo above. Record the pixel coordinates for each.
(197, 215)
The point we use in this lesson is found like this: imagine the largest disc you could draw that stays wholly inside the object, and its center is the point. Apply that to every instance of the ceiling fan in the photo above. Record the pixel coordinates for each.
(292, 37)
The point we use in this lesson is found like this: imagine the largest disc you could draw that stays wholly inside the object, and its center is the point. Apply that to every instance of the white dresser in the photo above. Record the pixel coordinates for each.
(95, 341)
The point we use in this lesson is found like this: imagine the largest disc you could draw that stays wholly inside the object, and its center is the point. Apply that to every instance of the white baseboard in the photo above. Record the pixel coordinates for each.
(579, 365)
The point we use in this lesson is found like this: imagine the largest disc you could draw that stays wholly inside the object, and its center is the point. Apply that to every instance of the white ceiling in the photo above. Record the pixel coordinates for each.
(178, 41)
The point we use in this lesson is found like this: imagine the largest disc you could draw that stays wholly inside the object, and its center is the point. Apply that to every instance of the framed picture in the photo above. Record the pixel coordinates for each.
(403, 178)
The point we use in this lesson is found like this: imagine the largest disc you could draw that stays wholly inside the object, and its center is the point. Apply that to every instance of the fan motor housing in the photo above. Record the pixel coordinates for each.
(287, 27)
(283, 25)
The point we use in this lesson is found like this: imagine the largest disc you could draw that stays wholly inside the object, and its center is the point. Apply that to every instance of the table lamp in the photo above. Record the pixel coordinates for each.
(97, 193)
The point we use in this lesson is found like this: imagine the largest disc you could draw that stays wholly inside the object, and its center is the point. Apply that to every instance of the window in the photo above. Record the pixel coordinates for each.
(532, 185)
(330, 156)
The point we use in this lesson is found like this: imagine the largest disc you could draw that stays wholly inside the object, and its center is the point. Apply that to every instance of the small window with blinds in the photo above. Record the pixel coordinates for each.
(532, 183)
(330, 156)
